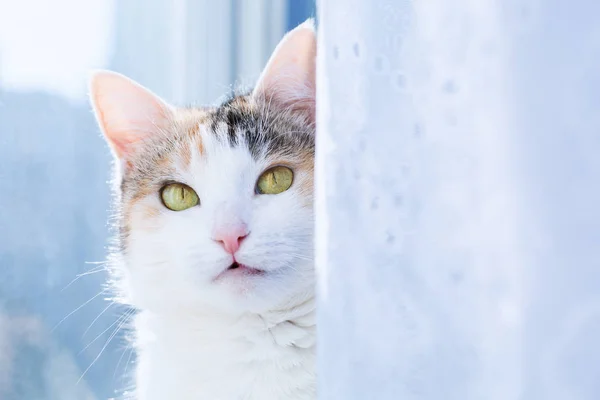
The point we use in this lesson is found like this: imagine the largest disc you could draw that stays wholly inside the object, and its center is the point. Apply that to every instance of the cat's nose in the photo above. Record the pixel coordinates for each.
(231, 236)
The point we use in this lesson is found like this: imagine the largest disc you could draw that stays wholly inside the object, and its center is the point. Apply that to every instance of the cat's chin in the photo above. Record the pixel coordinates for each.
(245, 288)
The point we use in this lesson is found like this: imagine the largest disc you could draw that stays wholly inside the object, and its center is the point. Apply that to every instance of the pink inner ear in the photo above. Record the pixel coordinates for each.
(126, 111)
(122, 142)
(289, 76)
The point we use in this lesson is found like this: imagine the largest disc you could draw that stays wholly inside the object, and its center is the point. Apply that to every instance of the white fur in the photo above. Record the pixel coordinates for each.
(218, 356)
(247, 338)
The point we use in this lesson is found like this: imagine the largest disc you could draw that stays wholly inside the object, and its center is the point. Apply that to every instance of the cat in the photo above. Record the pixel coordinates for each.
(214, 209)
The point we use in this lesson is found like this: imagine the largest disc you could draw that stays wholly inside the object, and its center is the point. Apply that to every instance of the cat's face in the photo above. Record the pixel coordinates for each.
(215, 205)
(189, 256)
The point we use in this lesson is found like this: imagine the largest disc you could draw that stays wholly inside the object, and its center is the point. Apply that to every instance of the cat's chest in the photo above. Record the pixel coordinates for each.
(253, 364)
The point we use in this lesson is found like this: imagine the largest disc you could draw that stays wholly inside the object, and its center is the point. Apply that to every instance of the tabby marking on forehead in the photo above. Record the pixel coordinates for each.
(266, 127)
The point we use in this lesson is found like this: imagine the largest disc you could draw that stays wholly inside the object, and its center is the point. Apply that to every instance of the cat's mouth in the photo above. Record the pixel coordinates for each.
(245, 269)
(239, 270)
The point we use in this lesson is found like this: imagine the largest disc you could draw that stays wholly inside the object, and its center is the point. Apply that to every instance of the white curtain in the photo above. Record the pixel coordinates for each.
(458, 199)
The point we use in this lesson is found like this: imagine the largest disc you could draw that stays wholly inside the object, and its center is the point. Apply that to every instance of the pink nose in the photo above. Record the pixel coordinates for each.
(231, 236)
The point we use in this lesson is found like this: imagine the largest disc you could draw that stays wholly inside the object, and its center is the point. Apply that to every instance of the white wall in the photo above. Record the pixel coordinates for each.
(458, 224)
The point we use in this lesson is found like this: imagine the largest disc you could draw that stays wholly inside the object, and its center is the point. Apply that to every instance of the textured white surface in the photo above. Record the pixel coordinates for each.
(458, 193)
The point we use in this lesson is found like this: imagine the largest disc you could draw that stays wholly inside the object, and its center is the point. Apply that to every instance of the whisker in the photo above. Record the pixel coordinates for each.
(301, 256)
(117, 329)
(77, 309)
(128, 348)
(78, 276)
(119, 320)
(96, 319)
(131, 351)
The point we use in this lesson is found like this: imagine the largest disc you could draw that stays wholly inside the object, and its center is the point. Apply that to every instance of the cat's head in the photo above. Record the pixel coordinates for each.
(215, 205)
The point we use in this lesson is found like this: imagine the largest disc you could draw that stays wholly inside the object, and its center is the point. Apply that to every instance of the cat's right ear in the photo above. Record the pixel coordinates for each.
(126, 111)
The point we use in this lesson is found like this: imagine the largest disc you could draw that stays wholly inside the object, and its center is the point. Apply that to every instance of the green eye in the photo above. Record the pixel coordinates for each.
(275, 180)
(178, 197)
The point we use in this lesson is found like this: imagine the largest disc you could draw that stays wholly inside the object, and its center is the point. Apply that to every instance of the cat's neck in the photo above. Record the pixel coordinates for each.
(185, 355)
(300, 312)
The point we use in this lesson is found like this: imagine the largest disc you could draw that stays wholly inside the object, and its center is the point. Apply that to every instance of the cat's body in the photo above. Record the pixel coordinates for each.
(266, 357)
(215, 244)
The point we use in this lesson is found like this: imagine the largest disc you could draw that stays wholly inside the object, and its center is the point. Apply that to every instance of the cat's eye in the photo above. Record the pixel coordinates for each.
(275, 180)
(178, 197)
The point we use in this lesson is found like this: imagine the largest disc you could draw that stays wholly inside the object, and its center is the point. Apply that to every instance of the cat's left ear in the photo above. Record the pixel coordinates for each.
(290, 75)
